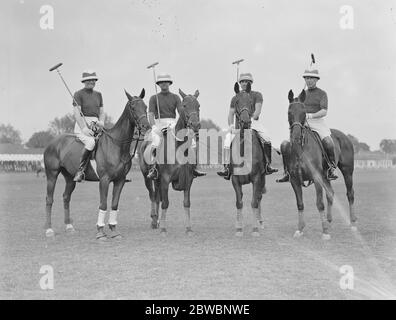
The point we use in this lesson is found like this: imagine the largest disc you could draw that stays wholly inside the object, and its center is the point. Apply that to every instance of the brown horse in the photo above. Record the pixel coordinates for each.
(257, 163)
(180, 175)
(304, 160)
(113, 161)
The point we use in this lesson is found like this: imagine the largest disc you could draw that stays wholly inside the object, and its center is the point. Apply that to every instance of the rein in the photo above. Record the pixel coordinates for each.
(138, 129)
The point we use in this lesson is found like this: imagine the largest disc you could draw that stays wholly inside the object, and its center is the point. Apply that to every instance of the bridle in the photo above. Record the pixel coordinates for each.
(188, 116)
(138, 126)
(239, 114)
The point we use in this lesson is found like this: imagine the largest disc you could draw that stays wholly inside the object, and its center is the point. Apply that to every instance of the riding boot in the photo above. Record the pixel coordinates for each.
(226, 172)
(285, 159)
(268, 155)
(197, 173)
(329, 147)
(83, 164)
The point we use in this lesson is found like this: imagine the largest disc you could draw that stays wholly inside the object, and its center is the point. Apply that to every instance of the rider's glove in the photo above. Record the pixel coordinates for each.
(100, 124)
(87, 131)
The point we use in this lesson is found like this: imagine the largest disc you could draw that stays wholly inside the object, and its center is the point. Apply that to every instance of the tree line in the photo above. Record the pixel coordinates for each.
(65, 124)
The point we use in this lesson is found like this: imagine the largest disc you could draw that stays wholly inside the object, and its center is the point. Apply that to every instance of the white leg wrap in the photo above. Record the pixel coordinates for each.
(113, 217)
(101, 218)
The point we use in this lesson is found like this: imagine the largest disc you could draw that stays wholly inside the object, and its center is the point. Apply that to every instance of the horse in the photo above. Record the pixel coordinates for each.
(113, 161)
(180, 175)
(304, 161)
(256, 175)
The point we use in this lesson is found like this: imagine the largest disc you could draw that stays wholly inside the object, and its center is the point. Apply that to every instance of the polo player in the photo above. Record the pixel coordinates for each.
(256, 125)
(168, 104)
(90, 103)
(316, 106)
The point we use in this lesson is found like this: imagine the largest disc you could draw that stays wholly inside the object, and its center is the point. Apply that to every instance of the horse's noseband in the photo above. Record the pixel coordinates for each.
(134, 116)
(239, 114)
(298, 124)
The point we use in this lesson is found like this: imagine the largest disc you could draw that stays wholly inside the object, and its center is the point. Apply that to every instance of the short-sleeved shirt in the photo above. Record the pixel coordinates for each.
(256, 97)
(168, 102)
(316, 99)
(90, 101)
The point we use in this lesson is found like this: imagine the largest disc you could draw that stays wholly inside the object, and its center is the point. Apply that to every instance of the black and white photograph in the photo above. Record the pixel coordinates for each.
(213, 153)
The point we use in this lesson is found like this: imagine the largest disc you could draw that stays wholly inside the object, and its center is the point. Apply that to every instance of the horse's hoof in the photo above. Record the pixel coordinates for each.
(255, 234)
(298, 234)
(49, 233)
(163, 231)
(101, 236)
(116, 237)
(353, 228)
(189, 231)
(326, 236)
(239, 232)
(261, 224)
(70, 229)
(154, 224)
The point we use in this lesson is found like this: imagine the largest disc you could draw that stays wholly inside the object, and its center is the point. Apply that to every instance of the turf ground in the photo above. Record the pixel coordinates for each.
(213, 263)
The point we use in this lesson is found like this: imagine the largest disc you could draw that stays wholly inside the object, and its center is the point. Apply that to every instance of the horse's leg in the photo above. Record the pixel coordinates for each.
(300, 206)
(239, 205)
(347, 172)
(154, 210)
(117, 188)
(257, 189)
(103, 191)
(320, 206)
(164, 204)
(52, 176)
(330, 197)
(259, 214)
(69, 188)
(187, 204)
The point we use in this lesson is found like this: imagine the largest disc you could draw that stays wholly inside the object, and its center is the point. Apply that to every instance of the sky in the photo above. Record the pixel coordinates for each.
(196, 42)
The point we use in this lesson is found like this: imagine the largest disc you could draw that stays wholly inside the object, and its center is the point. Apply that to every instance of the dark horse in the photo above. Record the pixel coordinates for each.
(180, 175)
(254, 158)
(113, 161)
(304, 160)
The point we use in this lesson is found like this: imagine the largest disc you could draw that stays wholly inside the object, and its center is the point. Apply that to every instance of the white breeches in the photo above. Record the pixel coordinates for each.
(319, 125)
(156, 131)
(256, 125)
(88, 141)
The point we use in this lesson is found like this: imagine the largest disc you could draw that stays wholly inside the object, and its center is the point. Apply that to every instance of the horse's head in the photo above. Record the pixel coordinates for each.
(296, 116)
(137, 111)
(190, 111)
(243, 106)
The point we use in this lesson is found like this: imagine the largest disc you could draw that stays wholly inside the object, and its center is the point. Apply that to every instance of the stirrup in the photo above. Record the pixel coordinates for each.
(79, 177)
(285, 178)
(331, 175)
(198, 173)
(270, 170)
(153, 173)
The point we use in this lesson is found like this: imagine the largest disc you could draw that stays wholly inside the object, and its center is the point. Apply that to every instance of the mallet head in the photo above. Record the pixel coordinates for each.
(238, 61)
(56, 66)
(152, 65)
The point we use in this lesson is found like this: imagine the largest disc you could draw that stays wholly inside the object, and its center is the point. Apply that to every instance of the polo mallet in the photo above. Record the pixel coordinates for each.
(237, 62)
(152, 66)
(56, 67)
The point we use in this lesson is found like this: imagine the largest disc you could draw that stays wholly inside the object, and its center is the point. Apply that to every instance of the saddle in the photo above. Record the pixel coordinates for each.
(319, 141)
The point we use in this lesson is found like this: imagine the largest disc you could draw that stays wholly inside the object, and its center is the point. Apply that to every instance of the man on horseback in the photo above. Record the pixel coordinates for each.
(168, 104)
(257, 98)
(316, 105)
(88, 111)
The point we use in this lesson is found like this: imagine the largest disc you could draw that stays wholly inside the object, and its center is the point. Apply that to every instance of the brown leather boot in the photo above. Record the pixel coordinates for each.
(83, 165)
(226, 172)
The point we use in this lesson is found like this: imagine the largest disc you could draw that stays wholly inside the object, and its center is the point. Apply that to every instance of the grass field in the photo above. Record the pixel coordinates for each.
(213, 263)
